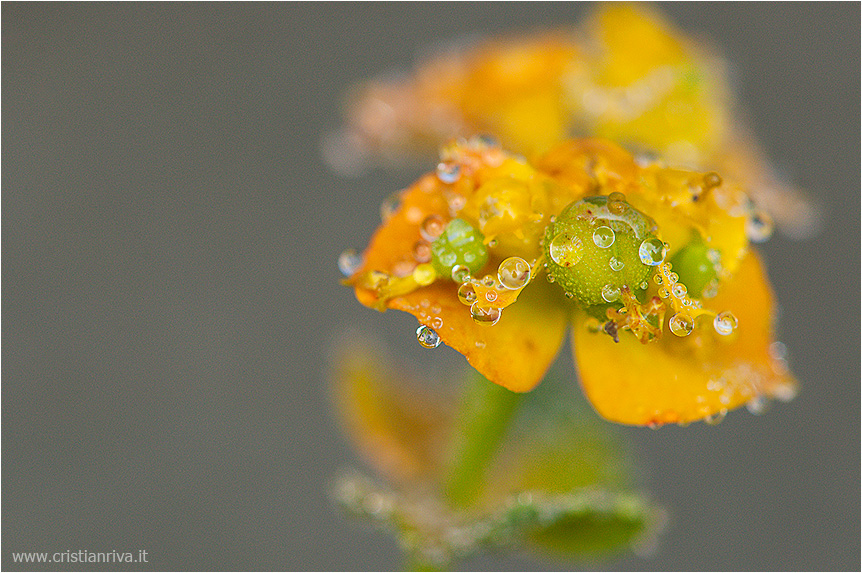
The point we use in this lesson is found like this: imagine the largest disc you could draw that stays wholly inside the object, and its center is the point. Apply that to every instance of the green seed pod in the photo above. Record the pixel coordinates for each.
(460, 244)
(696, 266)
(598, 245)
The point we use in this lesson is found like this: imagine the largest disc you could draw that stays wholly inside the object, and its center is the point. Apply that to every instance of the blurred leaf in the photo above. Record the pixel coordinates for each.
(580, 524)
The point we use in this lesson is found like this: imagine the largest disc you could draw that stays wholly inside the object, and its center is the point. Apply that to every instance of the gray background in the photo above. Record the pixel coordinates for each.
(170, 291)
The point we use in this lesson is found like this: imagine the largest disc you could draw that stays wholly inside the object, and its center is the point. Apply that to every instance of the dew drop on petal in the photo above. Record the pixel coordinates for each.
(422, 251)
(448, 172)
(681, 324)
(460, 273)
(617, 203)
(436, 323)
(349, 262)
(610, 293)
(616, 264)
(491, 296)
(725, 323)
(679, 290)
(652, 252)
(485, 316)
(488, 281)
(432, 227)
(716, 418)
(390, 205)
(467, 294)
(514, 273)
(663, 292)
(427, 337)
(759, 226)
(566, 250)
(604, 237)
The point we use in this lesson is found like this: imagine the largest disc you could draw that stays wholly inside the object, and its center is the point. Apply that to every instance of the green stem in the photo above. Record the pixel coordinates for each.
(483, 421)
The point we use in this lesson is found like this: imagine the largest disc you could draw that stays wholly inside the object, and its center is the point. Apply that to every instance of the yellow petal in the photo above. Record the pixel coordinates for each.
(680, 380)
(514, 353)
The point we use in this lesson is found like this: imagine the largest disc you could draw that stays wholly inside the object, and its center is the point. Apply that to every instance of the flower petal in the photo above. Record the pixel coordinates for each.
(514, 353)
(681, 380)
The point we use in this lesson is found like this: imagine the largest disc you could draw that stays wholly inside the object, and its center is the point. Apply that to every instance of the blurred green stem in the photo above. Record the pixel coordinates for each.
(483, 421)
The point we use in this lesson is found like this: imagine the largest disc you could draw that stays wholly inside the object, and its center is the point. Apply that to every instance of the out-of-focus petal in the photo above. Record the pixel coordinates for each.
(703, 375)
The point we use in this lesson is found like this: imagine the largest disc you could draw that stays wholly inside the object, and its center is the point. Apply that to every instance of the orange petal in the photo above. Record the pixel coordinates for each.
(681, 380)
(514, 353)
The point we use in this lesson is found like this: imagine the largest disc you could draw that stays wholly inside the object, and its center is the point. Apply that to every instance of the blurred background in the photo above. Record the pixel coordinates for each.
(171, 295)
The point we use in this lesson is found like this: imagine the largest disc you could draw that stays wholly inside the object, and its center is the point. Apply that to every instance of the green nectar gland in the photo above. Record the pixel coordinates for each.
(600, 244)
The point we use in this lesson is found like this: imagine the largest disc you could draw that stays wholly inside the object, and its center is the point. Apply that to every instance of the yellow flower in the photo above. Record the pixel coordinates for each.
(670, 308)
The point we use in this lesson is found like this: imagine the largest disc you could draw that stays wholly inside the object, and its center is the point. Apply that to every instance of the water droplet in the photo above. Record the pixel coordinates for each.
(725, 323)
(604, 237)
(616, 264)
(480, 344)
(514, 273)
(349, 262)
(679, 290)
(658, 279)
(673, 278)
(491, 296)
(652, 252)
(681, 324)
(436, 323)
(663, 292)
(488, 281)
(711, 179)
(759, 226)
(424, 274)
(422, 251)
(390, 205)
(778, 350)
(467, 294)
(644, 285)
(460, 274)
(448, 172)
(711, 289)
(485, 316)
(456, 203)
(432, 227)
(610, 293)
(566, 250)
(717, 418)
(492, 243)
(758, 405)
(427, 337)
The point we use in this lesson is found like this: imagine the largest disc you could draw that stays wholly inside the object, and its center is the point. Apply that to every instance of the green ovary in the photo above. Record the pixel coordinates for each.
(594, 248)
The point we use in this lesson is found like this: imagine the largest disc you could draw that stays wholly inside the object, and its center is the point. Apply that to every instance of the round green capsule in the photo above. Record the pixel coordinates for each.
(596, 246)
(695, 264)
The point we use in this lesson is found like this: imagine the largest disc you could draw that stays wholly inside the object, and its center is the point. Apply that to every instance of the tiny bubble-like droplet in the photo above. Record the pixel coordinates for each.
(679, 290)
(467, 294)
(652, 252)
(681, 324)
(514, 273)
(349, 262)
(616, 264)
(604, 237)
(460, 274)
(610, 293)
(759, 226)
(422, 251)
(448, 172)
(389, 206)
(566, 249)
(725, 323)
(432, 227)
(485, 316)
(427, 337)
(437, 323)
